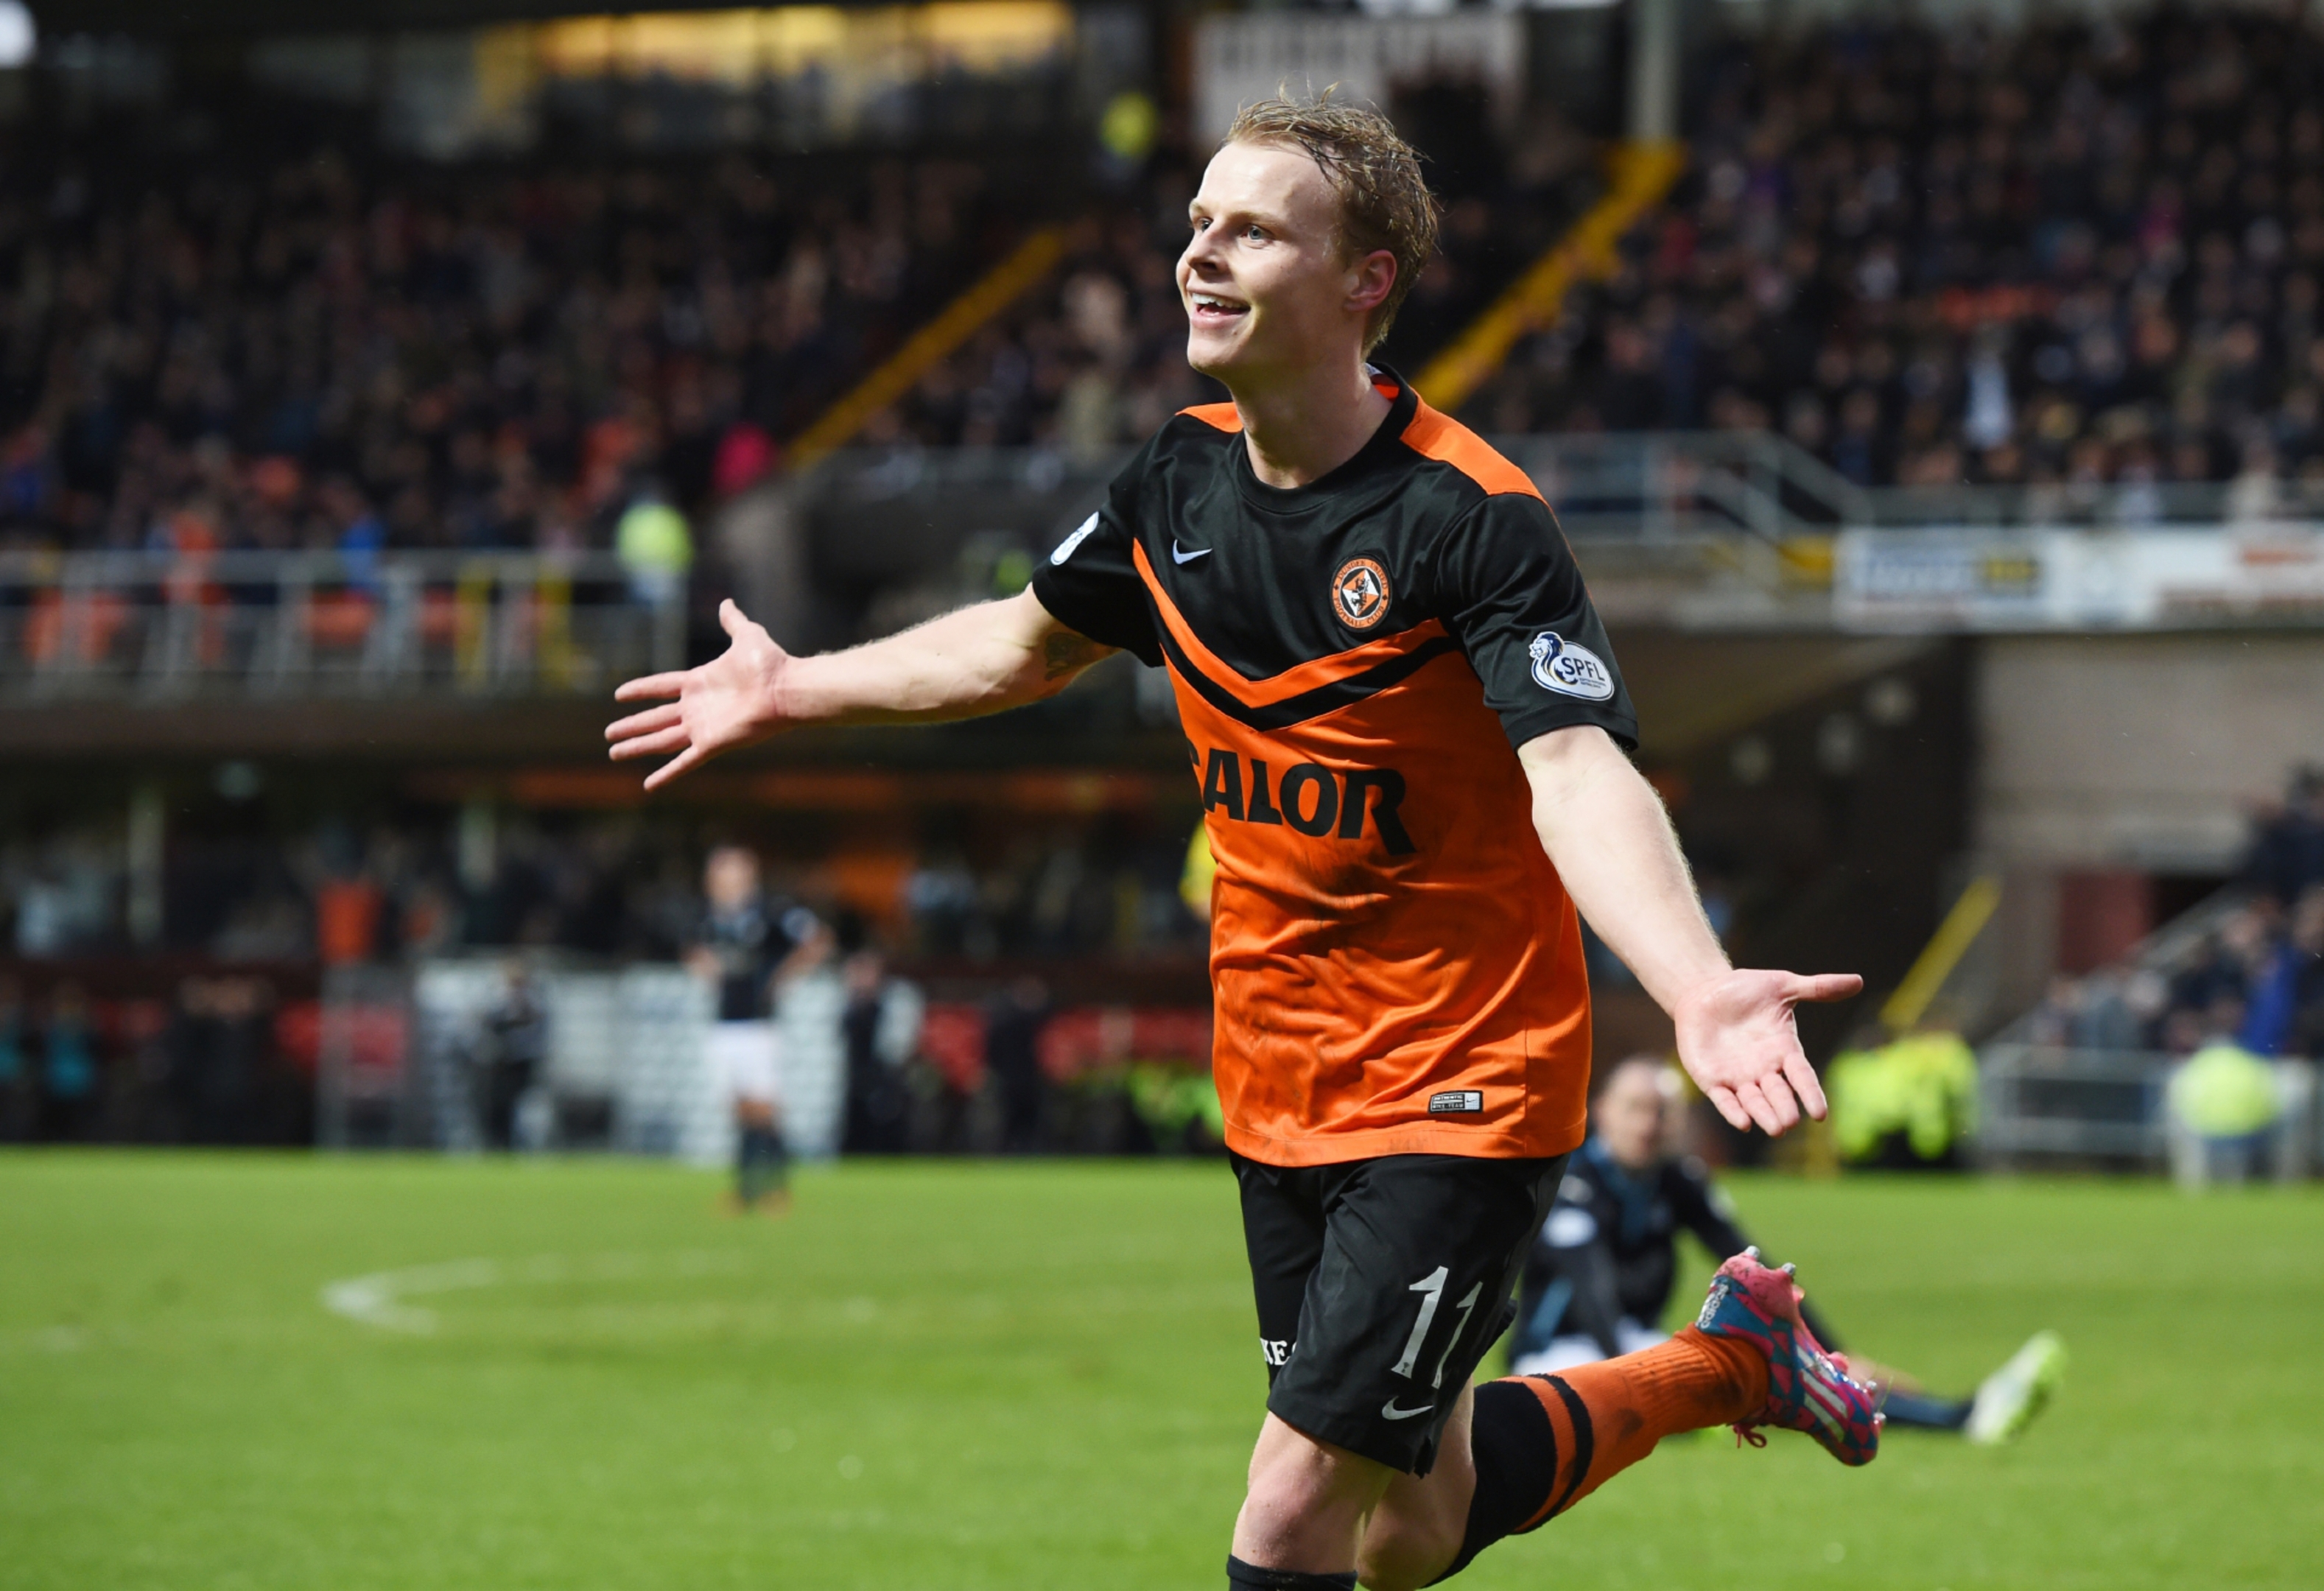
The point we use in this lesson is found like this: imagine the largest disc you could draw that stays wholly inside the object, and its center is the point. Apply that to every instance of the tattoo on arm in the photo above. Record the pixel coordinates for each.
(1064, 652)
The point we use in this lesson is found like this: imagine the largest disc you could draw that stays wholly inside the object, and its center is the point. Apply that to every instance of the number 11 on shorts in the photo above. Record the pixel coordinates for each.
(1431, 1288)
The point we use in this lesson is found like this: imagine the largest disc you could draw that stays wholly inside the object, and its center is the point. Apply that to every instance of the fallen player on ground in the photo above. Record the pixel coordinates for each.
(1600, 1274)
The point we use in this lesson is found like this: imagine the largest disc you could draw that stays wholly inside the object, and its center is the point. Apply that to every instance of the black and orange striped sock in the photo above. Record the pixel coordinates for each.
(1542, 1443)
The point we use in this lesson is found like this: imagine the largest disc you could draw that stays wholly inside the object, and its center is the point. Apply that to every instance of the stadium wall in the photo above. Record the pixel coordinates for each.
(2139, 751)
(2116, 777)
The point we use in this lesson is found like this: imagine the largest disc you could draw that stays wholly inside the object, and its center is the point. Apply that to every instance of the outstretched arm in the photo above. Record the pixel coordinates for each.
(1610, 840)
(983, 659)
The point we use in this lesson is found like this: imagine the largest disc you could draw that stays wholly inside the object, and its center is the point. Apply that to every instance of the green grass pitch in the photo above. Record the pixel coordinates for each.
(946, 1375)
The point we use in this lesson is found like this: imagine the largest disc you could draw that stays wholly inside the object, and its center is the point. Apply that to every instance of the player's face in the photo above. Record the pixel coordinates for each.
(730, 877)
(1266, 286)
(1630, 1117)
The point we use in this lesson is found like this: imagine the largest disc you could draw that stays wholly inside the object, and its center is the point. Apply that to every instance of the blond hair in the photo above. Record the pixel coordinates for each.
(1384, 200)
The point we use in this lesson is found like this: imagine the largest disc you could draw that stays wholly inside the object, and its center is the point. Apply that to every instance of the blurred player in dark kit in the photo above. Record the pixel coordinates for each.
(740, 944)
(1599, 1278)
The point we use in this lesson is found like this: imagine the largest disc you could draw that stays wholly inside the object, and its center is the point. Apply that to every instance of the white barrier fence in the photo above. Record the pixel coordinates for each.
(2043, 1104)
(613, 1059)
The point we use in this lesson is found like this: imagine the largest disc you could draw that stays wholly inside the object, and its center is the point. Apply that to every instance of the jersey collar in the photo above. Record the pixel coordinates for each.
(1385, 443)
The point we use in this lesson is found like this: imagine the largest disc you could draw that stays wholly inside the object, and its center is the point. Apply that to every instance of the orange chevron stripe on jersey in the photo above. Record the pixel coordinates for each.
(1292, 681)
(1395, 966)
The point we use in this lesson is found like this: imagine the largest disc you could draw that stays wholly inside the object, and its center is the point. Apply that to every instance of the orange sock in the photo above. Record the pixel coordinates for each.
(1542, 1443)
(1609, 1415)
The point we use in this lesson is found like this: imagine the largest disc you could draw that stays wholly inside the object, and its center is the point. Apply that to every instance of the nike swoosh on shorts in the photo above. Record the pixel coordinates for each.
(1179, 555)
(1388, 1411)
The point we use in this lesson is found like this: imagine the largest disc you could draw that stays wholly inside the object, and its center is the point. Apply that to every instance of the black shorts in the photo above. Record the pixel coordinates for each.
(1381, 1284)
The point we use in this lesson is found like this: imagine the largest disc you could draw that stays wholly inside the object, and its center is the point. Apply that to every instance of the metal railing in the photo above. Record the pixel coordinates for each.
(2037, 1101)
(1731, 526)
(1655, 486)
(2124, 505)
(1666, 487)
(2040, 1102)
(256, 624)
(2041, 1099)
(1611, 486)
(1645, 485)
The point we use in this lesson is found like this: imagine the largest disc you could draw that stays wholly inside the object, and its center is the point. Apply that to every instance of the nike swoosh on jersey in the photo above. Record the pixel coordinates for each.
(1388, 1411)
(1180, 556)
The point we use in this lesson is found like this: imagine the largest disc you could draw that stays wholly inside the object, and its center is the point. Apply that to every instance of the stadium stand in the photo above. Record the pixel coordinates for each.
(341, 350)
(209, 1029)
(555, 378)
(346, 349)
(597, 885)
(2082, 252)
(2078, 254)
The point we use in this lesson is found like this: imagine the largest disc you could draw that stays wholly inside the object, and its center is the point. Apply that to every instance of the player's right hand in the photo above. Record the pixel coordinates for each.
(730, 701)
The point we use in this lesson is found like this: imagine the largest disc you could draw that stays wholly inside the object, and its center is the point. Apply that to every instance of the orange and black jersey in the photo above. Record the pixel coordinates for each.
(1396, 966)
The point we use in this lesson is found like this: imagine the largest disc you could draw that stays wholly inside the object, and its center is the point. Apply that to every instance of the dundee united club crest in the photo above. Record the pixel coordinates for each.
(1360, 593)
(1560, 666)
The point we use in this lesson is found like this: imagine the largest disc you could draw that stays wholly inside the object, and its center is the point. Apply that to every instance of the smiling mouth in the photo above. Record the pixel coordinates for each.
(1210, 310)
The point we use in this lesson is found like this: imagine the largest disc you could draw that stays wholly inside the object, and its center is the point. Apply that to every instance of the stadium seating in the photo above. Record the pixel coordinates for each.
(342, 350)
(228, 348)
(1096, 360)
(2078, 253)
(2071, 254)
(2085, 252)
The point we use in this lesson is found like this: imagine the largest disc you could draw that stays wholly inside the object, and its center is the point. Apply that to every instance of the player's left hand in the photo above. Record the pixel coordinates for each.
(1738, 1041)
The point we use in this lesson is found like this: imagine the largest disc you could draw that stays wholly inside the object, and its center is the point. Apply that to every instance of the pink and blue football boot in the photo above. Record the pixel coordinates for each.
(1808, 1389)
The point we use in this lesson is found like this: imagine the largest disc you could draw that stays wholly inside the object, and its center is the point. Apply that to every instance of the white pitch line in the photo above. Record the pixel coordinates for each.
(378, 1299)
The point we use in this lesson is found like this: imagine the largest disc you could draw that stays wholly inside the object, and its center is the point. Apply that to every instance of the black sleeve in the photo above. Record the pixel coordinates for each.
(1702, 1210)
(1090, 584)
(1508, 591)
(1574, 1245)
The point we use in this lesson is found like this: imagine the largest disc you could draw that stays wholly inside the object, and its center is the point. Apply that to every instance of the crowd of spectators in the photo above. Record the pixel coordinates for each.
(2080, 254)
(2254, 979)
(1096, 357)
(285, 339)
